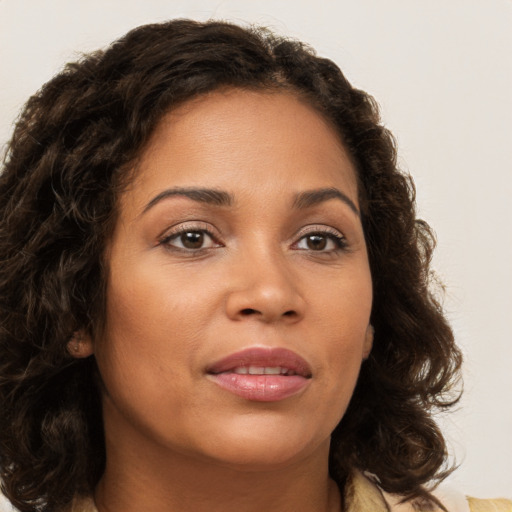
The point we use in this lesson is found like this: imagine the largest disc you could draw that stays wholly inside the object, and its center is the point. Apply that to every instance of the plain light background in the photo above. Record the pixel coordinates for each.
(442, 72)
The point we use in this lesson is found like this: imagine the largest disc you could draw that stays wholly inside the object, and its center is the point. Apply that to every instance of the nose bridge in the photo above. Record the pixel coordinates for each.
(264, 285)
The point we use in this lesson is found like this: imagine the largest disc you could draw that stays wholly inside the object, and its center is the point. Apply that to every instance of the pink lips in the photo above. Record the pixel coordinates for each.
(262, 374)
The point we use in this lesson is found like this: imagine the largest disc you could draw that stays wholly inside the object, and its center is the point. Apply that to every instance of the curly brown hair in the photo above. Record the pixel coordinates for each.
(64, 169)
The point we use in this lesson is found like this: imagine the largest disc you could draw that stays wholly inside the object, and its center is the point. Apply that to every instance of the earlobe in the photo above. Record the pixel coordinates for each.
(80, 345)
(368, 341)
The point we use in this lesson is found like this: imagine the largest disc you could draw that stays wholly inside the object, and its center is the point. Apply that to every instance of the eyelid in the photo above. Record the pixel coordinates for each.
(183, 227)
(336, 236)
(319, 228)
(202, 226)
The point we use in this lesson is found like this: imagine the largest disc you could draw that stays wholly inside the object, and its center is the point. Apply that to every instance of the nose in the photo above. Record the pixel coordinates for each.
(265, 289)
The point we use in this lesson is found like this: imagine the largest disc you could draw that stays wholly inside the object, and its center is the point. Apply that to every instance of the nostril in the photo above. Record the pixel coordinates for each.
(251, 311)
(248, 311)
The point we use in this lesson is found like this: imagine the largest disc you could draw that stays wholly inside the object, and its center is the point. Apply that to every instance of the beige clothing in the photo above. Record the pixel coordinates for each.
(368, 497)
(362, 495)
(500, 505)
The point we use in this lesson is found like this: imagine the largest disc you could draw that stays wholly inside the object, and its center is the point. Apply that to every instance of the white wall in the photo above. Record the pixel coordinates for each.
(442, 72)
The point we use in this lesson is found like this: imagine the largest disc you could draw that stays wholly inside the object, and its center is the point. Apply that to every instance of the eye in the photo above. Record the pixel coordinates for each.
(189, 239)
(321, 241)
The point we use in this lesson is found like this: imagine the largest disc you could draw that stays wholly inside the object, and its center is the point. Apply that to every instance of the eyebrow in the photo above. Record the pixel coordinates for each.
(201, 195)
(311, 198)
(215, 197)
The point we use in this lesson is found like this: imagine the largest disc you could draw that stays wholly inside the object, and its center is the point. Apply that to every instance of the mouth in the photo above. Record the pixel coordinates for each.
(262, 374)
(263, 370)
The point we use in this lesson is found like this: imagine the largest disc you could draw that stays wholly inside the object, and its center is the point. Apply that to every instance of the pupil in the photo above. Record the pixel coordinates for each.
(192, 240)
(317, 242)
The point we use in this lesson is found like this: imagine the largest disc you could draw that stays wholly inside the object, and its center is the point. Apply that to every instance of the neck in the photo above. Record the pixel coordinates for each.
(141, 477)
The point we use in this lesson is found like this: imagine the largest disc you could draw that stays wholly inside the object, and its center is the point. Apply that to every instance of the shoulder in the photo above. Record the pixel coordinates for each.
(364, 495)
(499, 505)
(82, 504)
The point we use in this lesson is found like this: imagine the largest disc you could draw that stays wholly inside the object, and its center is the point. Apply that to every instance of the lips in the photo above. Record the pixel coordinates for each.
(262, 374)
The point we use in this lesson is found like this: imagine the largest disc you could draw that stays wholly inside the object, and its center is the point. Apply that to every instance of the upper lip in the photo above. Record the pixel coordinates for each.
(262, 356)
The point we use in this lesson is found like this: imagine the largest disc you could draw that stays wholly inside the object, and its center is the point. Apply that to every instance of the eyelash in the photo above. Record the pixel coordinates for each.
(182, 230)
(330, 234)
(325, 232)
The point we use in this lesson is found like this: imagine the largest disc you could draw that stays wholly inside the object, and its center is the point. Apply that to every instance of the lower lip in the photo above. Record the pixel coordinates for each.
(261, 388)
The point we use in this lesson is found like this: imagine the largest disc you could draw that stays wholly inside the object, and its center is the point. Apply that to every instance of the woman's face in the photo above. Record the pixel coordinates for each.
(239, 291)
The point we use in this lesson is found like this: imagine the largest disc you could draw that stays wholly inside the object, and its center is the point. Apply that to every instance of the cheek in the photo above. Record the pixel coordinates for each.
(139, 349)
(342, 318)
(153, 308)
(141, 360)
(343, 306)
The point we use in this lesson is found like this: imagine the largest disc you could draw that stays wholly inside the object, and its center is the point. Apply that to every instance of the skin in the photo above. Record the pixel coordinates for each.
(175, 439)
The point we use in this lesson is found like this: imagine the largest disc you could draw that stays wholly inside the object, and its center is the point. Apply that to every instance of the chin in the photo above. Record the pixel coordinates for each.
(263, 445)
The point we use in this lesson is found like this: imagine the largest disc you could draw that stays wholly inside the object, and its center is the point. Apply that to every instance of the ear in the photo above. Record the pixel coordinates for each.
(368, 341)
(80, 345)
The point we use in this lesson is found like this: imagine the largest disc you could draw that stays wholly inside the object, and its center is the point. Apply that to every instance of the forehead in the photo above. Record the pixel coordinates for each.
(235, 138)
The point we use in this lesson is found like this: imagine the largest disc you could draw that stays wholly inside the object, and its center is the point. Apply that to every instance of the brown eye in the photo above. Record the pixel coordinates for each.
(192, 239)
(316, 242)
(321, 241)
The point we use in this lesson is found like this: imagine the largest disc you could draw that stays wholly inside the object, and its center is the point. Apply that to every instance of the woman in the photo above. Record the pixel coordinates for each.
(215, 293)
